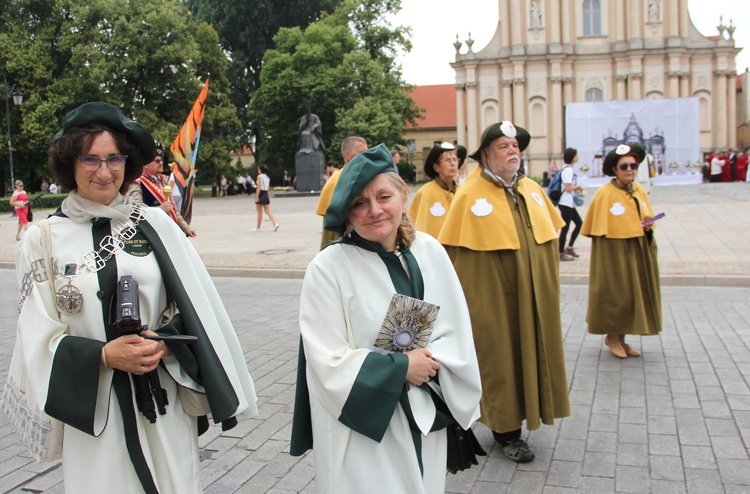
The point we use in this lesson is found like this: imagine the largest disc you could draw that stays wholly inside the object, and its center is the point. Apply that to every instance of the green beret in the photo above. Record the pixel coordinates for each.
(352, 179)
(502, 129)
(435, 153)
(622, 150)
(99, 115)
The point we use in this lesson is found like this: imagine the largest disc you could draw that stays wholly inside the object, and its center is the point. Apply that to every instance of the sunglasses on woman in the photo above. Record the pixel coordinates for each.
(625, 166)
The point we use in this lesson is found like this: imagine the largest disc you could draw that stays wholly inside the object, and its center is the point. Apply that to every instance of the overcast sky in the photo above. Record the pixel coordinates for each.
(435, 24)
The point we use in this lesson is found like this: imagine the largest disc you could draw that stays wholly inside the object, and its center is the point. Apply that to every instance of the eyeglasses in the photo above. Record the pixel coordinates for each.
(625, 166)
(159, 160)
(114, 163)
(448, 160)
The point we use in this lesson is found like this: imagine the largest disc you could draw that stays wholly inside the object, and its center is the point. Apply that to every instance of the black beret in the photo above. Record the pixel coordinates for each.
(435, 153)
(622, 150)
(99, 115)
(502, 129)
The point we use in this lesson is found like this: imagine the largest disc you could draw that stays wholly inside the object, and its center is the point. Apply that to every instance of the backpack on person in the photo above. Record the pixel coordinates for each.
(554, 189)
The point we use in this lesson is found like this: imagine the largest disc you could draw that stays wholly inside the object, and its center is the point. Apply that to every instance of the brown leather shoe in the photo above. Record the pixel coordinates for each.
(615, 347)
(632, 352)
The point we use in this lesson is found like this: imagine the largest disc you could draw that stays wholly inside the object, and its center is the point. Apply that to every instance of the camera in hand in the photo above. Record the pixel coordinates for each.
(128, 319)
(128, 308)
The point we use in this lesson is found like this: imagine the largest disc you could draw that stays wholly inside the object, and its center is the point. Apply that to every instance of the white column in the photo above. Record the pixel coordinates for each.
(622, 87)
(519, 102)
(720, 109)
(731, 110)
(460, 114)
(506, 112)
(620, 17)
(516, 16)
(685, 85)
(473, 130)
(672, 17)
(567, 13)
(552, 22)
(556, 143)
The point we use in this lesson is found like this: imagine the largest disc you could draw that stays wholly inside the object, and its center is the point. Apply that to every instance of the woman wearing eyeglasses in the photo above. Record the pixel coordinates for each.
(433, 200)
(86, 365)
(624, 289)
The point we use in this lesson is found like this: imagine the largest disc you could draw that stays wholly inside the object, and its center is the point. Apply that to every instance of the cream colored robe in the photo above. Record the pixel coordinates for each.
(344, 299)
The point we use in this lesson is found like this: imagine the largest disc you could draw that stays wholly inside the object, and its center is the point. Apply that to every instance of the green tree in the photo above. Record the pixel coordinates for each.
(246, 30)
(148, 57)
(344, 64)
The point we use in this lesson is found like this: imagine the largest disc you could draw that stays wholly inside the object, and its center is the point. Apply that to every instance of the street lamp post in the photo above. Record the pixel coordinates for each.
(17, 100)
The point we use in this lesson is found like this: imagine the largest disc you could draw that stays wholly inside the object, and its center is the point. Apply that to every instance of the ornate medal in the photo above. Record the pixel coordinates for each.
(69, 300)
(407, 325)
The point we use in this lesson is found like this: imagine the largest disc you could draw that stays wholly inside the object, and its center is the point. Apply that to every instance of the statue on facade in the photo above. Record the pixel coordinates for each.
(653, 11)
(310, 131)
(536, 16)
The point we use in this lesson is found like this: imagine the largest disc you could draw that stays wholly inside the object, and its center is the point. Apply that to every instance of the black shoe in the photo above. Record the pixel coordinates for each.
(517, 450)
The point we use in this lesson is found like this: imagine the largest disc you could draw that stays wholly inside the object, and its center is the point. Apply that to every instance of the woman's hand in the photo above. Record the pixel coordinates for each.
(166, 206)
(421, 366)
(162, 345)
(131, 353)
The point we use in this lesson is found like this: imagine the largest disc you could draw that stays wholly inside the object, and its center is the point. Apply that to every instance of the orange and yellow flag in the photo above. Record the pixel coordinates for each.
(185, 153)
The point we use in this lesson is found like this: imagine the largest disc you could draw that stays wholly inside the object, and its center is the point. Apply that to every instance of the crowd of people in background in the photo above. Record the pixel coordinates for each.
(727, 166)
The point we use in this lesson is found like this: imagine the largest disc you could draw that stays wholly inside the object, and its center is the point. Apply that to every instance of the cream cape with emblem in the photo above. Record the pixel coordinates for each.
(612, 213)
(480, 217)
(170, 445)
(429, 208)
(345, 295)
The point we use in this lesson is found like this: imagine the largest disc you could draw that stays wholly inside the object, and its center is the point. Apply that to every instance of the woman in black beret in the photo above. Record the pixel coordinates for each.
(130, 343)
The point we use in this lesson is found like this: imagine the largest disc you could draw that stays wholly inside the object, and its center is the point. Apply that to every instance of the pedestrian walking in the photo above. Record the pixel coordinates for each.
(263, 201)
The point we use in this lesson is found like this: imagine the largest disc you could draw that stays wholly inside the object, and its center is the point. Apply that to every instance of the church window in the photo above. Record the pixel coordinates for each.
(592, 23)
(594, 94)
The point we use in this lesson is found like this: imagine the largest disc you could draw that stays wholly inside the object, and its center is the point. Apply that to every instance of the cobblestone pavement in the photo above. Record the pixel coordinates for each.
(702, 240)
(675, 420)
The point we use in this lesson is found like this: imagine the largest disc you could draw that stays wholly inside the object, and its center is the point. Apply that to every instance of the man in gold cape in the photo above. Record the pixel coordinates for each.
(501, 235)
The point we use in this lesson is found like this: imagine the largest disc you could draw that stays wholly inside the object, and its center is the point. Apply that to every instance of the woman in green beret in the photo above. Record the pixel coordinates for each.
(93, 356)
(433, 200)
(624, 288)
(384, 328)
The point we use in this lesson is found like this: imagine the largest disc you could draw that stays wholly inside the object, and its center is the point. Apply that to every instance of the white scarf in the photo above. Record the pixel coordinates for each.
(80, 210)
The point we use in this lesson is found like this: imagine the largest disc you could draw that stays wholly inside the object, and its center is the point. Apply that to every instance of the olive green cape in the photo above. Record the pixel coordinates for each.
(624, 288)
(514, 302)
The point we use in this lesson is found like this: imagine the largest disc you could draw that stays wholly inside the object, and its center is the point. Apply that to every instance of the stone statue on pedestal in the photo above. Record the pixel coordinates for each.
(310, 159)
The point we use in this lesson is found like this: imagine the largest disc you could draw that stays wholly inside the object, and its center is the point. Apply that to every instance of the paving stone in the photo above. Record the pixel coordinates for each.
(698, 457)
(666, 468)
(599, 465)
(632, 479)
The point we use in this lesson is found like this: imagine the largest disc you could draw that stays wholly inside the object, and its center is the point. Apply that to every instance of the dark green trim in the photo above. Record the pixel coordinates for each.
(75, 380)
(302, 436)
(375, 394)
(120, 380)
(220, 393)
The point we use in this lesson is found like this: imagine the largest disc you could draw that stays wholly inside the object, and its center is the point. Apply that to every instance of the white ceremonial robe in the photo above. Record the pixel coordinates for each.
(345, 295)
(99, 461)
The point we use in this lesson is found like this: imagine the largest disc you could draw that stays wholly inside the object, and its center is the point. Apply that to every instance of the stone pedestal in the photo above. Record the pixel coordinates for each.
(309, 169)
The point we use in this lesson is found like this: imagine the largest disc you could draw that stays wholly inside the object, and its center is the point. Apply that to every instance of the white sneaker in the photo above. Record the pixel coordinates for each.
(255, 230)
(276, 227)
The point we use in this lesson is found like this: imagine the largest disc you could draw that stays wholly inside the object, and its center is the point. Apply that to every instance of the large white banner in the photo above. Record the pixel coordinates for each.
(668, 128)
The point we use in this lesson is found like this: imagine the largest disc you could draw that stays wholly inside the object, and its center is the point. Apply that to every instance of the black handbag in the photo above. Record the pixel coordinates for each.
(29, 213)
